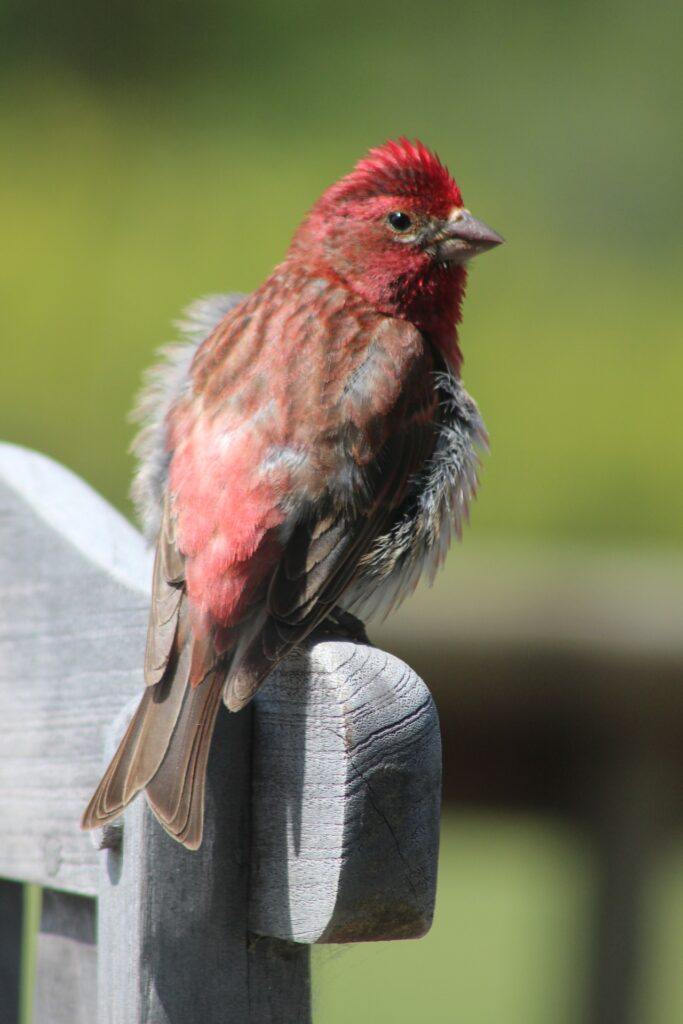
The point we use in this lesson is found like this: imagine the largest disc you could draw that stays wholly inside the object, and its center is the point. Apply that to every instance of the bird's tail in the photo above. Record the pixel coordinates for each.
(165, 752)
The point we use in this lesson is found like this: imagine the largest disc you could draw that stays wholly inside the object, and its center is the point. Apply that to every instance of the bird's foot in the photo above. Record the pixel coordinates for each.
(344, 625)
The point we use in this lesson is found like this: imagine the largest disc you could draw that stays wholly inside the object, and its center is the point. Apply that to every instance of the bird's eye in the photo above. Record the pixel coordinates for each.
(399, 221)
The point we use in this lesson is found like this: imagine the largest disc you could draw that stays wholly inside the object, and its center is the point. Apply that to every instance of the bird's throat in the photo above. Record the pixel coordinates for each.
(432, 301)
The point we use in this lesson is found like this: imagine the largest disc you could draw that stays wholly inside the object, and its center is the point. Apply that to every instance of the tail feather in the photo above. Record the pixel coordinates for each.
(176, 793)
(165, 751)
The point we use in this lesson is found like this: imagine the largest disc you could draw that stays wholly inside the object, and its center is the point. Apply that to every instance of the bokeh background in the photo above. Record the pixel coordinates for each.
(154, 152)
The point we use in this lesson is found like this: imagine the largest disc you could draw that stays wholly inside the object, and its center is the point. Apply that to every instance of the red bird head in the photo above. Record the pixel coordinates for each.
(396, 232)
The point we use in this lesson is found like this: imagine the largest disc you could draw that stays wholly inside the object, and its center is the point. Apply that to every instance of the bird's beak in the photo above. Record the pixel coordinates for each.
(463, 236)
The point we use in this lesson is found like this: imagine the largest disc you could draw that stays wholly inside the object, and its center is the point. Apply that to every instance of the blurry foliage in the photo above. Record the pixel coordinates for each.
(155, 152)
(510, 946)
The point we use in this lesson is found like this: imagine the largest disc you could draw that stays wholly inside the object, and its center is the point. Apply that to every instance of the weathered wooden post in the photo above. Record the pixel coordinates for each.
(322, 800)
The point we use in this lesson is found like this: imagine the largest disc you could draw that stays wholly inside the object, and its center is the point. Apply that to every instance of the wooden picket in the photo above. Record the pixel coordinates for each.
(322, 799)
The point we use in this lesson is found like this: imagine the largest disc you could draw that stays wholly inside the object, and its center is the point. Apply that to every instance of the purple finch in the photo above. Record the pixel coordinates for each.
(305, 458)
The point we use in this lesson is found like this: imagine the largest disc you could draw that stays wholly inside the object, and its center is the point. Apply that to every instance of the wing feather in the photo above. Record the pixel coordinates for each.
(168, 580)
(325, 549)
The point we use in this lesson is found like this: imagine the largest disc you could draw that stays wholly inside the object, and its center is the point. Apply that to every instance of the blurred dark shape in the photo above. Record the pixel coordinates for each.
(102, 41)
(558, 682)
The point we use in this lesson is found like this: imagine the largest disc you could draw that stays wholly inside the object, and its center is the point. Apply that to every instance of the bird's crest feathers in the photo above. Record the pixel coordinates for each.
(399, 168)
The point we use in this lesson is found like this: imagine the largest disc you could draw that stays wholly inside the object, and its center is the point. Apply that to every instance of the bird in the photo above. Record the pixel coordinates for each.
(306, 454)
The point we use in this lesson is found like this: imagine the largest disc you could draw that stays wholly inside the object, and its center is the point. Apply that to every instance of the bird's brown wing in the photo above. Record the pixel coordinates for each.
(168, 592)
(325, 549)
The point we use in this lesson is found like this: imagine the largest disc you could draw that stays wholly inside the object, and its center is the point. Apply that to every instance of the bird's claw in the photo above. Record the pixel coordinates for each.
(344, 625)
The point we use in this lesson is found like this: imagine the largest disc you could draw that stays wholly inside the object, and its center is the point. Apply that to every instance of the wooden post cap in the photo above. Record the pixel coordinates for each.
(346, 791)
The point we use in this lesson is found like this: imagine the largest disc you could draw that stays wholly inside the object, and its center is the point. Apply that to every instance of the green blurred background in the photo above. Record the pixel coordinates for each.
(156, 152)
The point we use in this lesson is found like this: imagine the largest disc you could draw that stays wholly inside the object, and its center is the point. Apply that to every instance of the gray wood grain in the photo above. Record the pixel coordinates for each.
(345, 795)
(173, 923)
(279, 990)
(66, 974)
(11, 925)
(74, 577)
(347, 782)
